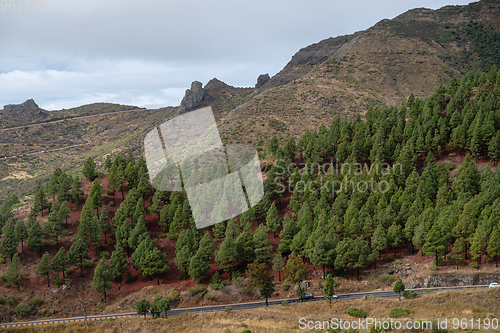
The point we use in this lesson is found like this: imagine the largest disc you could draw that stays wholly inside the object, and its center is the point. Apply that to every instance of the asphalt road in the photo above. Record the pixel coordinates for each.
(236, 306)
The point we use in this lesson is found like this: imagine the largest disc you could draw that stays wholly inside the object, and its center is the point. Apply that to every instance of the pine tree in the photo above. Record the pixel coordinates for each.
(226, 255)
(198, 266)
(278, 264)
(379, 240)
(13, 274)
(123, 235)
(435, 244)
(154, 262)
(399, 287)
(263, 245)
(21, 233)
(76, 191)
(40, 202)
(330, 285)
(145, 245)
(287, 234)
(142, 307)
(207, 245)
(89, 169)
(79, 254)
(273, 221)
(64, 212)
(8, 247)
(118, 262)
(95, 232)
(139, 229)
(182, 259)
(45, 267)
(61, 262)
(101, 282)
(493, 248)
(35, 235)
(53, 227)
(105, 223)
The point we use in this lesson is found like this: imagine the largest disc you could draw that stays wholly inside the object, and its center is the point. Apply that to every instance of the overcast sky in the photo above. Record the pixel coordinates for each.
(147, 52)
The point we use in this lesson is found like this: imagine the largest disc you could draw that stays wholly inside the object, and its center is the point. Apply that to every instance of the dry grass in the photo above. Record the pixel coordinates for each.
(448, 304)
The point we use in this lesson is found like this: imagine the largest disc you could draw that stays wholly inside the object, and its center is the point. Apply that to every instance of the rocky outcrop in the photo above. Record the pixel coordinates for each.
(192, 98)
(216, 84)
(25, 111)
(262, 80)
(452, 280)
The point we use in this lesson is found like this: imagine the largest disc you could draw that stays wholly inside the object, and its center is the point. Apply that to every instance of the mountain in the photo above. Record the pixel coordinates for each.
(344, 76)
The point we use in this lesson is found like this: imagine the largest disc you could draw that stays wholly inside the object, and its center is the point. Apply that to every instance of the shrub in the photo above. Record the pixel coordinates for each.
(409, 294)
(236, 275)
(320, 285)
(227, 330)
(173, 295)
(243, 325)
(208, 297)
(461, 262)
(397, 262)
(2, 300)
(399, 312)
(37, 301)
(284, 303)
(2, 260)
(355, 312)
(57, 281)
(68, 271)
(197, 289)
(285, 286)
(23, 310)
(246, 331)
(228, 308)
(473, 265)
(385, 278)
(433, 267)
(105, 255)
(11, 300)
(216, 282)
(129, 278)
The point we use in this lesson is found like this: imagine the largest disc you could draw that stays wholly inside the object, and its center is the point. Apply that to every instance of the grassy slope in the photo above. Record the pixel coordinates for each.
(449, 304)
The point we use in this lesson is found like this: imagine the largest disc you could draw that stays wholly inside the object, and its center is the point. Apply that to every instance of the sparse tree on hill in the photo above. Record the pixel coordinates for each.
(143, 307)
(330, 285)
(105, 224)
(21, 233)
(45, 267)
(89, 169)
(278, 264)
(35, 235)
(399, 287)
(273, 221)
(79, 254)
(102, 278)
(64, 212)
(13, 274)
(118, 262)
(9, 241)
(61, 262)
(259, 277)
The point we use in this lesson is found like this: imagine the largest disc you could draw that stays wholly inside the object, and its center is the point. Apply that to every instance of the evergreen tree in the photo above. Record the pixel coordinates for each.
(35, 235)
(379, 240)
(101, 282)
(95, 193)
(76, 192)
(245, 246)
(399, 287)
(53, 227)
(435, 244)
(198, 265)
(145, 245)
(295, 271)
(263, 246)
(273, 221)
(278, 264)
(8, 247)
(64, 212)
(89, 169)
(139, 229)
(21, 233)
(493, 248)
(142, 307)
(123, 235)
(330, 285)
(154, 262)
(287, 234)
(118, 262)
(45, 267)
(13, 274)
(61, 262)
(207, 245)
(79, 254)
(226, 255)
(105, 223)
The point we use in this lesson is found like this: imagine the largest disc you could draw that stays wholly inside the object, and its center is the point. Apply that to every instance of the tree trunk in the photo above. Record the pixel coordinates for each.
(279, 275)
(158, 278)
(22, 245)
(104, 297)
(67, 223)
(323, 271)
(266, 301)
(48, 281)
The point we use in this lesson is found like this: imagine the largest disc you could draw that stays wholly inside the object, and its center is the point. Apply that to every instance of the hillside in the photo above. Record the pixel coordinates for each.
(383, 65)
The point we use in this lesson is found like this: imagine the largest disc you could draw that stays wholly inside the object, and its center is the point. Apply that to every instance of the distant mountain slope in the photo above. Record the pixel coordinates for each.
(344, 76)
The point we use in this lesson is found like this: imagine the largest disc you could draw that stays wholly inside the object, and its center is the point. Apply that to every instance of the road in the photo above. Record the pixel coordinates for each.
(237, 306)
(70, 118)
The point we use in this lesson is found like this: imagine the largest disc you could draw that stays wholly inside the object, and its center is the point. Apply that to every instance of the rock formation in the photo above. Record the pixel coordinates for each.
(192, 98)
(262, 80)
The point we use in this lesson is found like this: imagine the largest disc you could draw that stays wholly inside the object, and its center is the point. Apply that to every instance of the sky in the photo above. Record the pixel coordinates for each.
(67, 53)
